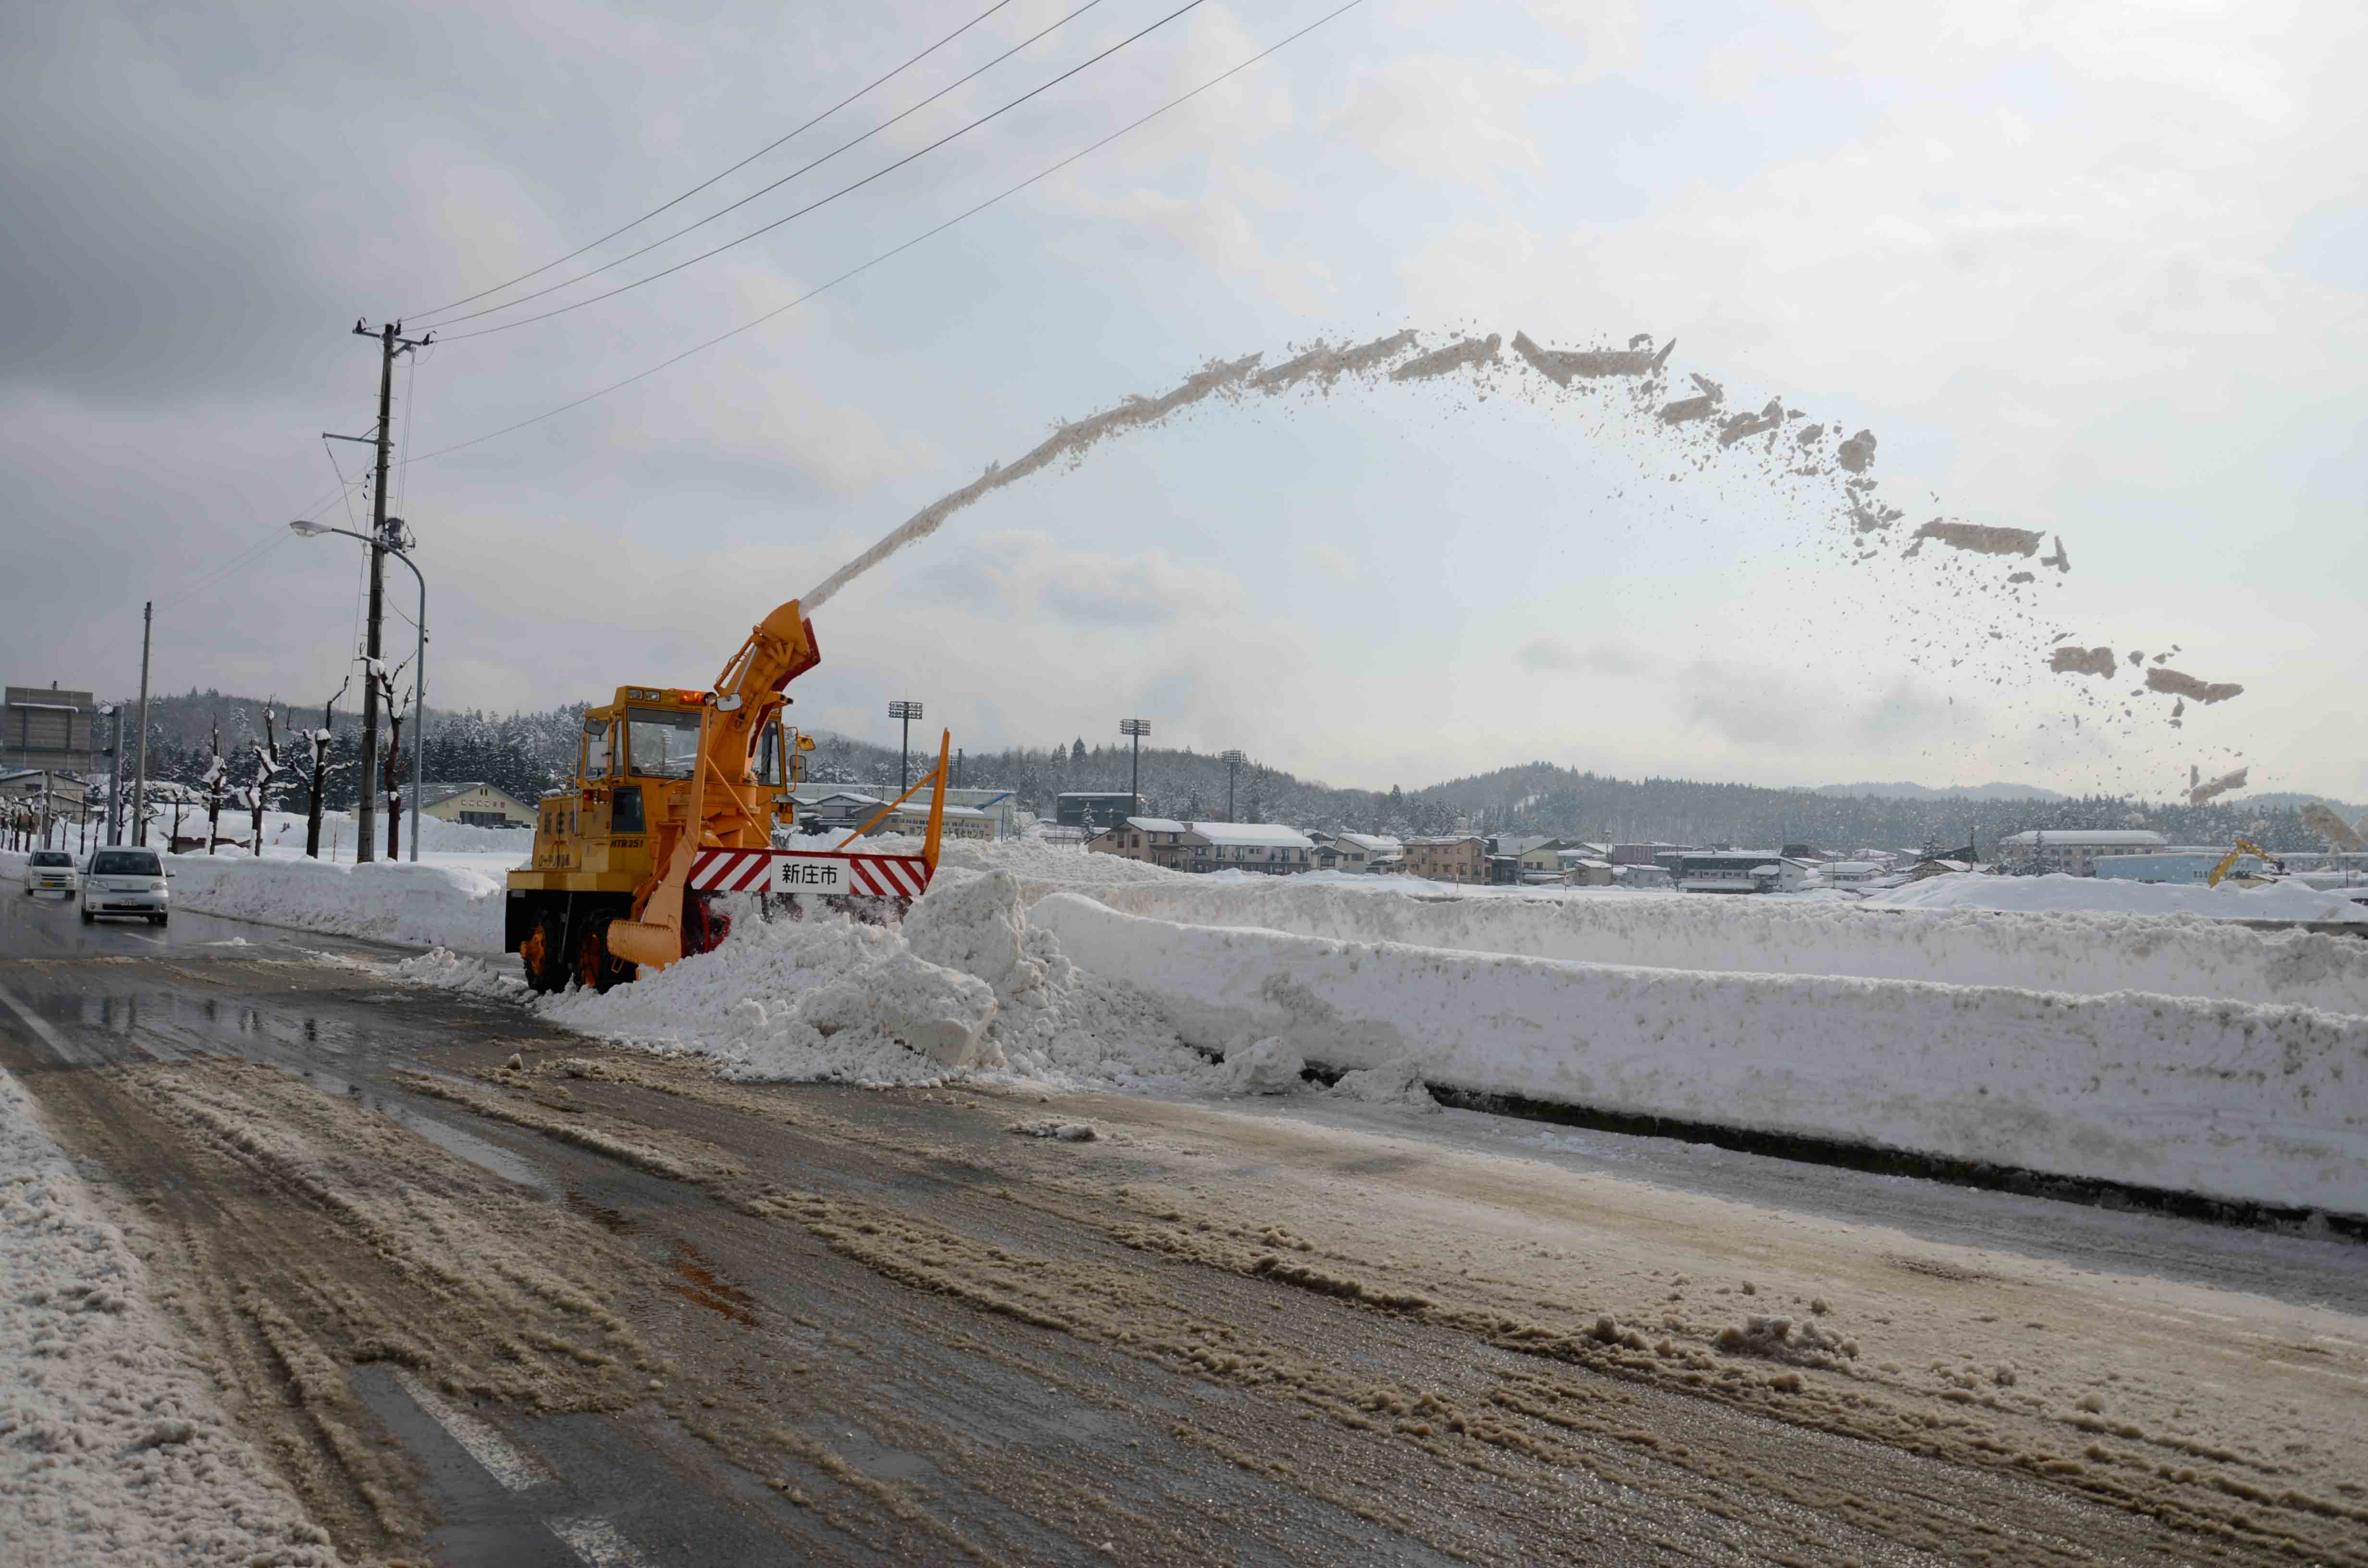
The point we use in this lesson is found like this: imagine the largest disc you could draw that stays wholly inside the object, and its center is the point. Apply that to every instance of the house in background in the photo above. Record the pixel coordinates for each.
(1455, 857)
(1157, 840)
(471, 804)
(1263, 847)
(1358, 852)
(1268, 849)
(1742, 870)
(2072, 850)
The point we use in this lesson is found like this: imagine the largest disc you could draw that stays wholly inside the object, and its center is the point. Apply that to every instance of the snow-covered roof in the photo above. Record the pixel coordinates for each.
(1253, 835)
(1157, 824)
(1852, 869)
(2085, 837)
(435, 794)
(1372, 843)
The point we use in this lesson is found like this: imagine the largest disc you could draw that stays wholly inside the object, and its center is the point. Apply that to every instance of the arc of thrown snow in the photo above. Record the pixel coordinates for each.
(1320, 363)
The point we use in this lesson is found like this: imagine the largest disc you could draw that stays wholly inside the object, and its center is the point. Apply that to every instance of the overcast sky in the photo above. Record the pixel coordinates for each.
(2095, 269)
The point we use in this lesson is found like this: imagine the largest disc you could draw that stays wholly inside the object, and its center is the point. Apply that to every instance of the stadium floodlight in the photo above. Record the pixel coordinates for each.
(908, 712)
(1137, 728)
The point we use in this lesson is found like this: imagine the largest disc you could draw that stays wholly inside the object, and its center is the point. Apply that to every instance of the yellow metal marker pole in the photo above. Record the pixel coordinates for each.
(937, 803)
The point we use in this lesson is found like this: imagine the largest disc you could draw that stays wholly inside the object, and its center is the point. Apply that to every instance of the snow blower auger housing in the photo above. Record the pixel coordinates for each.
(675, 799)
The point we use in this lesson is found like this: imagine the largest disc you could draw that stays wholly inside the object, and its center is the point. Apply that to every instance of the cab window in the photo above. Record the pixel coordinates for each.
(598, 747)
(768, 757)
(661, 743)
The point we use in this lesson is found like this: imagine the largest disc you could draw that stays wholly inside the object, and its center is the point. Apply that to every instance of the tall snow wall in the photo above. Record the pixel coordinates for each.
(387, 900)
(2243, 1101)
(2084, 954)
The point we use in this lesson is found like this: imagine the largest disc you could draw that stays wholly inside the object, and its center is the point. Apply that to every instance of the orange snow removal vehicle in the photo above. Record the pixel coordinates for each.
(674, 800)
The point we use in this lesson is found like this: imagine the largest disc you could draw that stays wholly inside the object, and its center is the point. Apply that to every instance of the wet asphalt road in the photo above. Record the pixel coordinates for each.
(1042, 1451)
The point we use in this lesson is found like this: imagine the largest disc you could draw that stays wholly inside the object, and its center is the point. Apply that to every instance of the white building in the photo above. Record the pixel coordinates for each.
(1266, 848)
(2076, 850)
(1741, 870)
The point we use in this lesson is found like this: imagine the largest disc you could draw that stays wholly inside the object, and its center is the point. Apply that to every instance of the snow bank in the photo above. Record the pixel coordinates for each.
(967, 986)
(284, 831)
(2084, 954)
(113, 1448)
(388, 900)
(2243, 1101)
(2056, 891)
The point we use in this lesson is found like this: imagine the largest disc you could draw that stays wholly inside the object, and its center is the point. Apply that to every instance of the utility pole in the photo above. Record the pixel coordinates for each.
(391, 343)
(1137, 728)
(140, 785)
(1233, 760)
(908, 712)
(114, 714)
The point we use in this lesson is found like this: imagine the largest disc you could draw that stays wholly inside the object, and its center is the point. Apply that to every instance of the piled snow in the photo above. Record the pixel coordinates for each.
(967, 986)
(387, 900)
(283, 832)
(1264, 1067)
(2244, 1101)
(2084, 954)
(1040, 866)
(113, 1446)
(2275, 900)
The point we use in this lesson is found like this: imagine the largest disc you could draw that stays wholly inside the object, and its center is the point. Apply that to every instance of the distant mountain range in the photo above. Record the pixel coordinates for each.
(1902, 791)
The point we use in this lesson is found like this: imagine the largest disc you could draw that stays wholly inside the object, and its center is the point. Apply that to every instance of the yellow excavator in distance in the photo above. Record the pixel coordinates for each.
(2228, 861)
(673, 805)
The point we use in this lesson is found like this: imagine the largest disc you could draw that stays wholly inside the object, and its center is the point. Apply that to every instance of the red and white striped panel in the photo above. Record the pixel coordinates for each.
(798, 870)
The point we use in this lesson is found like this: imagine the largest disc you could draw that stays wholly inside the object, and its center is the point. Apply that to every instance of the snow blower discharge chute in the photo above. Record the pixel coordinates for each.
(676, 797)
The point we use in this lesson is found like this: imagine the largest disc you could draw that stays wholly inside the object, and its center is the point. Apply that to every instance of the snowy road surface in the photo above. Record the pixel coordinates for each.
(488, 1293)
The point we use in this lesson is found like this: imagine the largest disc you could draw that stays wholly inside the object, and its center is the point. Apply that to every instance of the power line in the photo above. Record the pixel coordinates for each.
(827, 157)
(734, 169)
(843, 190)
(899, 250)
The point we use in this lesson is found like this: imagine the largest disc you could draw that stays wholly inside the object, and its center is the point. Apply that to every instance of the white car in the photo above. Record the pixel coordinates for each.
(123, 881)
(49, 870)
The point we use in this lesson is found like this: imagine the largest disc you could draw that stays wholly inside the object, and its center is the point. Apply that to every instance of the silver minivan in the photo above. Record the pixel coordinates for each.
(122, 881)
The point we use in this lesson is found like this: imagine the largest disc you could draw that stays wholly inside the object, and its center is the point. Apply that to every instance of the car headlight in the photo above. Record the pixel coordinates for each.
(155, 887)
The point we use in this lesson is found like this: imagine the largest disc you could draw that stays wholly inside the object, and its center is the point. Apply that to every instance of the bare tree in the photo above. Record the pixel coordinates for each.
(267, 769)
(215, 779)
(319, 741)
(387, 675)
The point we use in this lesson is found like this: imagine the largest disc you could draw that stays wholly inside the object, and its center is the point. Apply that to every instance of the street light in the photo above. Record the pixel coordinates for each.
(908, 712)
(304, 527)
(1231, 759)
(1138, 728)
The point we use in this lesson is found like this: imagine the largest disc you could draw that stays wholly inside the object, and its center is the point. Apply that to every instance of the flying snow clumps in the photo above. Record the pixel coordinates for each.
(963, 987)
(113, 1446)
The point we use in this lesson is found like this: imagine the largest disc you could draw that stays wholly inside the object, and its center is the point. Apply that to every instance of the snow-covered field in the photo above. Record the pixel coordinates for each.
(2083, 953)
(2057, 893)
(113, 1445)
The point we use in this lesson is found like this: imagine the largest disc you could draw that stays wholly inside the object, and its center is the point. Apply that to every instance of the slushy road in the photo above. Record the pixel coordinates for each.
(489, 1294)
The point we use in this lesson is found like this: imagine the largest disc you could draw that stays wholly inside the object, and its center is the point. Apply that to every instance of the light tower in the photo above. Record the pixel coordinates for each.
(1137, 728)
(1233, 760)
(908, 712)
